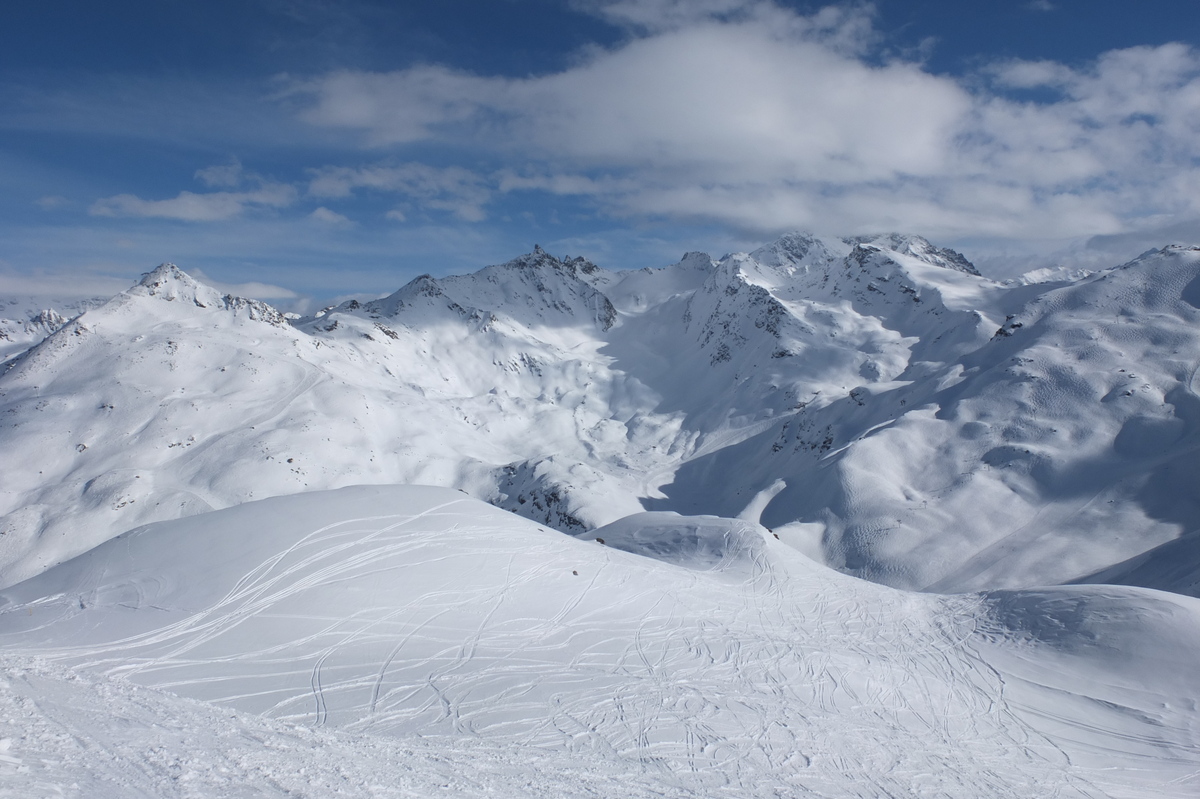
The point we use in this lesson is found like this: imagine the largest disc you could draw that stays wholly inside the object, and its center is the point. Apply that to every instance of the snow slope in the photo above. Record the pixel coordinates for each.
(683, 656)
(873, 400)
(70, 734)
(1061, 445)
(25, 321)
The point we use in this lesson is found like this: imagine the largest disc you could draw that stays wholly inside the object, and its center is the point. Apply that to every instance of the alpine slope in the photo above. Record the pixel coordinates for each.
(836, 517)
(875, 401)
(683, 656)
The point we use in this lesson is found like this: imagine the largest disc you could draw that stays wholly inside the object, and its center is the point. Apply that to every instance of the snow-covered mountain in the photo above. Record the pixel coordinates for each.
(1037, 449)
(874, 400)
(24, 321)
(204, 499)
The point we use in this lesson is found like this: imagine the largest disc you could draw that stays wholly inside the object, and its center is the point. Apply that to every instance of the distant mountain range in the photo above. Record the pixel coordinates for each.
(875, 402)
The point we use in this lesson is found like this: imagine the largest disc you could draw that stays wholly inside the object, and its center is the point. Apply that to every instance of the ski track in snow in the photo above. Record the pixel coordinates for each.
(760, 675)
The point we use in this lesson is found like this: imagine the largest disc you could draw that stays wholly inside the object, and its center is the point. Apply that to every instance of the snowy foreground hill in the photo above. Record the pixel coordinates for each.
(413, 641)
(885, 411)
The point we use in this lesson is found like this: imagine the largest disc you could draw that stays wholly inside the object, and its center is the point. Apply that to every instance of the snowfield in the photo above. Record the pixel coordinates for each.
(432, 544)
(700, 655)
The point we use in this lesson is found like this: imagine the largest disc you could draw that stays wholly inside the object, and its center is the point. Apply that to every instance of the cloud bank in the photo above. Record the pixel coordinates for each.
(256, 193)
(755, 117)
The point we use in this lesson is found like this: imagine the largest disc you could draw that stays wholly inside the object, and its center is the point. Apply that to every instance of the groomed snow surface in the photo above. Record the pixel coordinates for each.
(408, 641)
(220, 574)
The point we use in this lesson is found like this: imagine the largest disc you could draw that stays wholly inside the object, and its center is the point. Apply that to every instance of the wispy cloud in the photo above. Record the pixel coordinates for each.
(221, 175)
(191, 207)
(257, 192)
(454, 189)
(333, 219)
(254, 290)
(658, 15)
(401, 107)
(846, 27)
(52, 287)
(52, 202)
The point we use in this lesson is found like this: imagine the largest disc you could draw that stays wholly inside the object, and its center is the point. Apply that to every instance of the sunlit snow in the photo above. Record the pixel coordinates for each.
(202, 499)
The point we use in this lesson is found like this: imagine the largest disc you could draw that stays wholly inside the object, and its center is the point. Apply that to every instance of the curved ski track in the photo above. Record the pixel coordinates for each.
(765, 676)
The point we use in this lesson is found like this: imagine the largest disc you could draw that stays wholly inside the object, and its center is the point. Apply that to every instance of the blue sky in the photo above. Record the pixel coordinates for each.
(320, 148)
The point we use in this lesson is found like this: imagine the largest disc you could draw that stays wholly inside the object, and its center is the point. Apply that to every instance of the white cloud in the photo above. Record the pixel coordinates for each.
(191, 207)
(1121, 134)
(254, 290)
(256, 192)
(51, 202)
(663, 14)
(753, 116)
(719, 98)
(54, 287)
(724, 103)
(454, 189)
(402, 106)
(508, 180)
(223, 175)
(331, 218)
(847, 27)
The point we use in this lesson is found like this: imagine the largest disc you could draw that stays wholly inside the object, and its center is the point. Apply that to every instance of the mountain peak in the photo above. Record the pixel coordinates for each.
(167, 275)
(423, 285)
(799, 249)
(540, 258)
(1179, 248)
(532, 260)
(917, 247)
(694, 259)
(169, 282)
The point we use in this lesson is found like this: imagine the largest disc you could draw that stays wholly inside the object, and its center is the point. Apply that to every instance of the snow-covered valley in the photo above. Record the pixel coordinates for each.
(170, 533)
